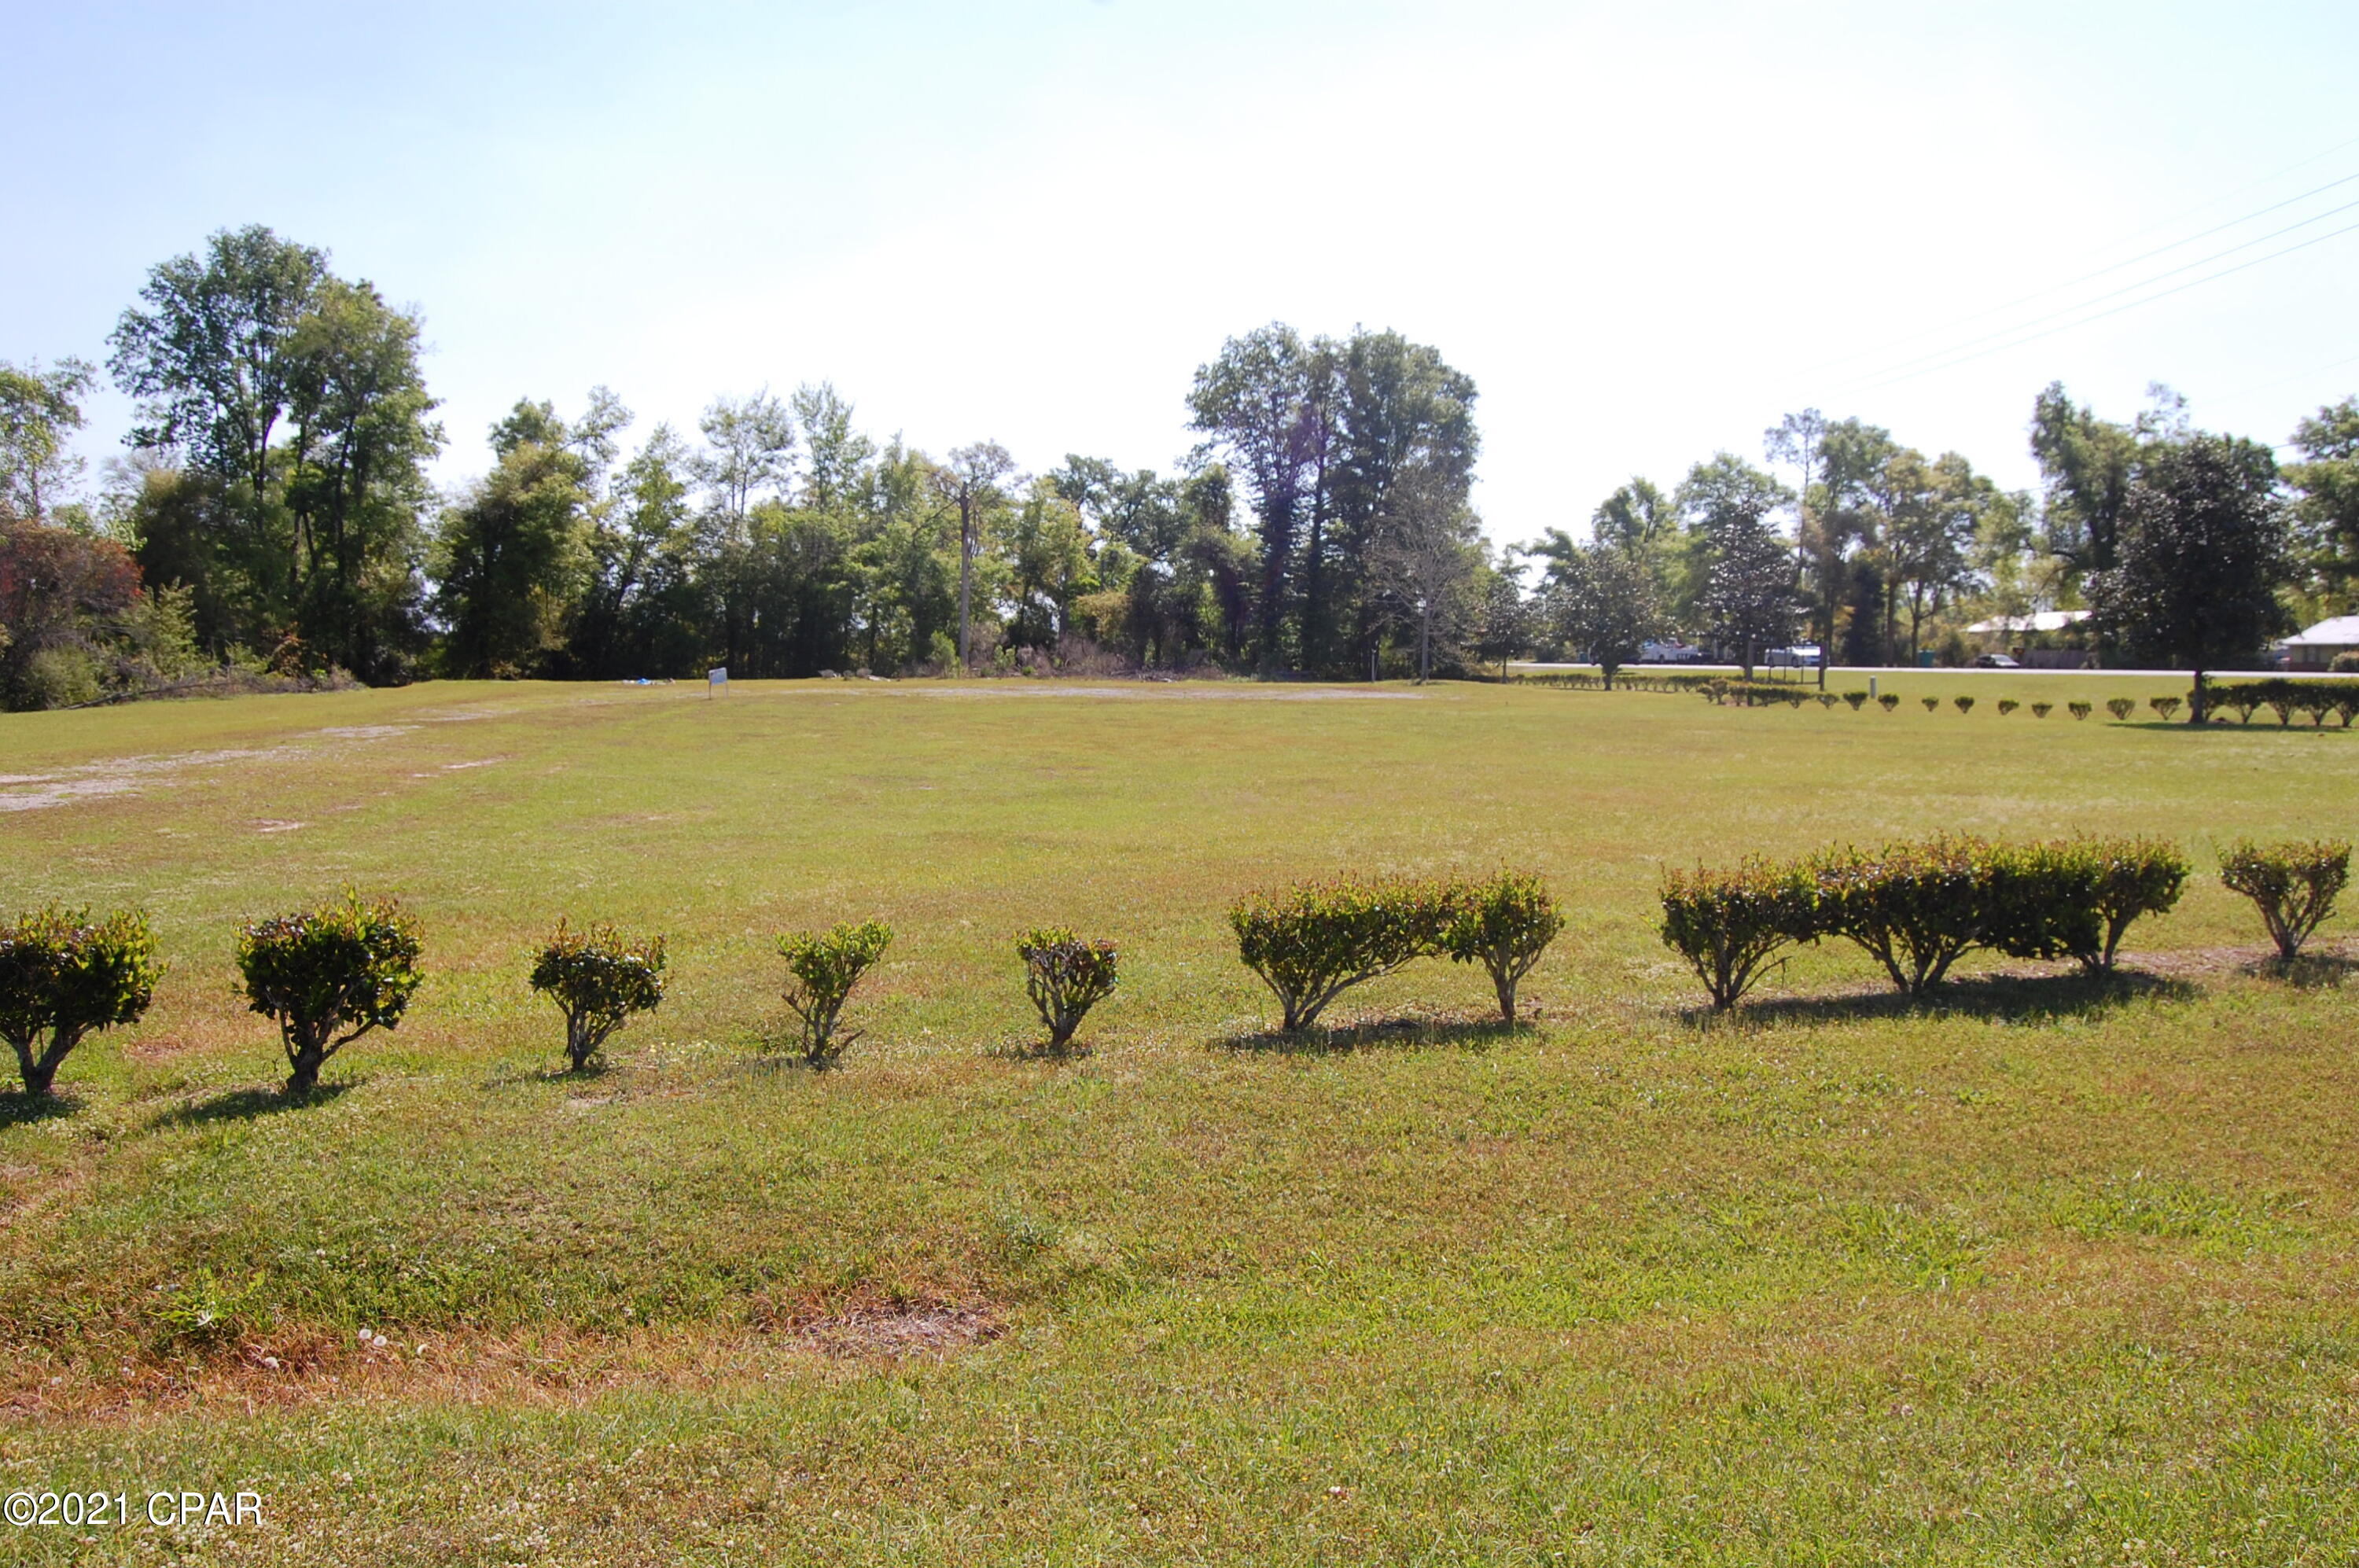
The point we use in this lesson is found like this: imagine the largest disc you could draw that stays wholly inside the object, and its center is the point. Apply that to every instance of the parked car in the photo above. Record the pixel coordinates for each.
(1670, 653)
(1995, 661)
(1801, 656)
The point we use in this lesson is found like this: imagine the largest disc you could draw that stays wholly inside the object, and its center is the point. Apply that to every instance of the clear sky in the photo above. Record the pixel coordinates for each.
(1646, 230)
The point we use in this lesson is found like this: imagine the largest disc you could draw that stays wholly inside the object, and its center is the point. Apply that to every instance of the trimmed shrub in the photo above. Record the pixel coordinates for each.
(63, 975)
(2008, 705)
(2078, 710)
(1728, 924)
(1889, 701)
(598, 981)
(2121, 708)
(2131, 878)
(329, 975)
(2292, 884)
(2038, 710)
(1065, 976)
(1316, 939)
(1828, 698)
(1933, 705)
(1916, 907)
(1857, 699)
(2163, 706)
(1965, 705)
(2286, 697)
(2343, 664)
(826, 965)
(2077, 898)
(1504, 923)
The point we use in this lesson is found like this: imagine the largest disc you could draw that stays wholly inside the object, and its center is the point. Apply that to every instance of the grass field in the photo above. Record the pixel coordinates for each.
(2039, 1272)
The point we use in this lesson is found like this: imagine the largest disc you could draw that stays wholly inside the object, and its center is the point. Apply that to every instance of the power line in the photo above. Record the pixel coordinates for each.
(2117, 310)
(2117, 293)
(2292, 375)
(2239, 191)
(2116, 266)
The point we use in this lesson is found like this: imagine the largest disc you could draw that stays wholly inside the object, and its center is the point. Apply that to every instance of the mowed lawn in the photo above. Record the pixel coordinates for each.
(2039, 1272)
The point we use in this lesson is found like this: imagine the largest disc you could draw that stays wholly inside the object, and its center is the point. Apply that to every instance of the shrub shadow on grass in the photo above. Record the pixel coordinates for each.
(1379, 1034)
(1031, 1049)
(19, 1109)
(561, 1073)
(2011, 998)
(245, 1105)
(2309, 971)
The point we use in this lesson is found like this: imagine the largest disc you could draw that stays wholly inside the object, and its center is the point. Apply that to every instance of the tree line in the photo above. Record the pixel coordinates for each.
(273, 512)
(2186, 547)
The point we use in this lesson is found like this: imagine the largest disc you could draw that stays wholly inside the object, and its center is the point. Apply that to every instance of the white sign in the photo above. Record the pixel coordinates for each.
(716, 680)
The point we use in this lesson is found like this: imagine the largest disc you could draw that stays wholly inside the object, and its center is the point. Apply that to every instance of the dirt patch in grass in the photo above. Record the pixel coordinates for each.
(906, 1328)
(541, 1366)
(125, 775)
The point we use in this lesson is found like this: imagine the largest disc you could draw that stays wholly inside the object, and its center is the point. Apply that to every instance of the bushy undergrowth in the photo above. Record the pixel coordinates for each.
(2293, 885)
(598, 980)
(825, 966)
(1065, 976)
(329, 975)
(63, 975)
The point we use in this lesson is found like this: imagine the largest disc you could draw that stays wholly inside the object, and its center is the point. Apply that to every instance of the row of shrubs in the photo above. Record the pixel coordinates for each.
(1770, 693)
(330, 974)
(2284, 696)
(1917, 907)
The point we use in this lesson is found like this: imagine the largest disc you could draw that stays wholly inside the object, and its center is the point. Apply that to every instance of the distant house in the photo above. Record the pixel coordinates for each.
(2033, 639)
(2315, 648)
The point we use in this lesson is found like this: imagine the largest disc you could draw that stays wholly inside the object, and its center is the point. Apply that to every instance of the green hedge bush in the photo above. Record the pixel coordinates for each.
(1065, 976)
(2293, 885)
(1729, 924)
(598, 980)
(2077, 898)
(1504, 923)
(329, 975)
(1917, 907)
(2286, 697)
(825, 966)
(1314, 940)
(63, 975)
(1914, 907)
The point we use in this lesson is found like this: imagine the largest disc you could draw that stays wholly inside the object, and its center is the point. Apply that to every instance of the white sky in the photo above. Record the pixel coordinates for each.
(1647, 231)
